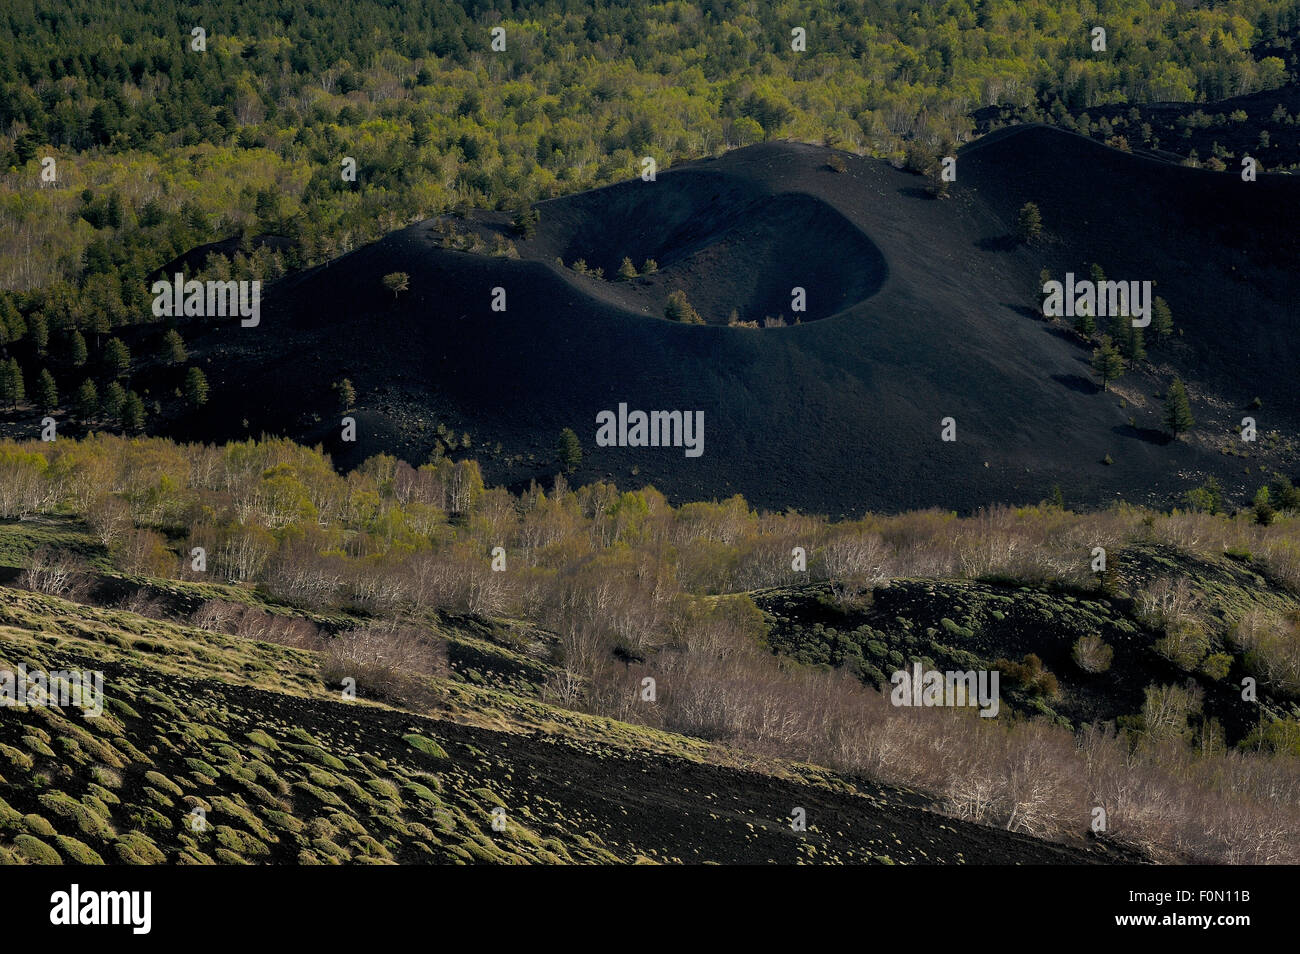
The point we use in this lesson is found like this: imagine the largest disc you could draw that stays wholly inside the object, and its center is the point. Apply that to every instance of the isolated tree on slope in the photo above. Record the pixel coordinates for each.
(570, 450)
(1107, 362)
(1162, 319)
(679, 309)
(347, 394)
(397, 282)
(1178, 412)
(173, 348)
(1029, 223)
(196, 387)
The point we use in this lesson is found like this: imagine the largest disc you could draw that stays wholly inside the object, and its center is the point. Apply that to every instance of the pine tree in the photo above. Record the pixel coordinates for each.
(114, 401)
(7, 375)
(87, 400)
(47, 393)
(1107, 362)
(173, 348)
(627, 271)
(397, 282)
(196, 387)
(77, 349)
(12, 327)
(1083, 322)
(117, 358)
(1162, 319)
(1029, 222)
(1178, 412)
(525, 223)
(1132, 342)
(17, 390)
(347, 394)
(679, 309)
(133, 412)
(39, 331)
(570, 450)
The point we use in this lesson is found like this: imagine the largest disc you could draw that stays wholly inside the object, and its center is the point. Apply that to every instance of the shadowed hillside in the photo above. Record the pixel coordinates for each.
(927, 308)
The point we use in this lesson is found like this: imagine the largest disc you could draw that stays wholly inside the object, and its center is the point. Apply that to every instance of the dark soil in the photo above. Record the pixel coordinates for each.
(919, 309)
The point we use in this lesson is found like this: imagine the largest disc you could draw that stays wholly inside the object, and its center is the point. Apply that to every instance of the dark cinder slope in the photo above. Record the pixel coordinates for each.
(924, 311)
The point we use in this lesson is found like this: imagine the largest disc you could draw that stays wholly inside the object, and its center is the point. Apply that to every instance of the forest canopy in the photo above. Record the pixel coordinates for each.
(159, 148)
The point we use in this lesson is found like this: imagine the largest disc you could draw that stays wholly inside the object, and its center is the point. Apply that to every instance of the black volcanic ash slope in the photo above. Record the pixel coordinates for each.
(925, 311)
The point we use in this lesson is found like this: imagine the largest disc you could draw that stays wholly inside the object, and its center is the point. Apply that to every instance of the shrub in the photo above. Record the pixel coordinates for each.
(1030, 675)
(1092, 654)
(386, 660)
(36, 851)
(422, 744)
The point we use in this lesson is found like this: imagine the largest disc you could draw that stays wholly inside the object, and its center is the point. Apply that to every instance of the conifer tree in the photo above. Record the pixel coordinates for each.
(47, 393)
(1106, 361)
(87, 400)
(1178, 412)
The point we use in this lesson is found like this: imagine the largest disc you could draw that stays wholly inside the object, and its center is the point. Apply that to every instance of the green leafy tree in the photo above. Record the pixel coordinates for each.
(87, 400)
(627, 271)
(397, 282)
(1106, 362)
(196, 387)
(1029, 222)
(570, 450)
(1263, 507)
(1208, 497)
(1178, 412)
(649, 267)
(1284, 494)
